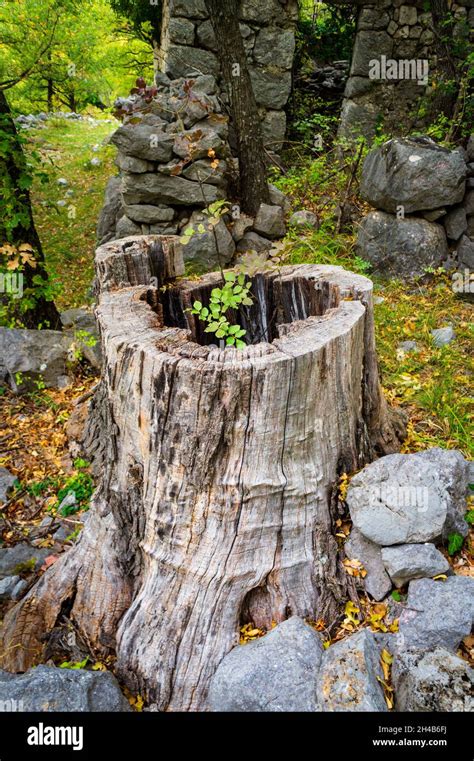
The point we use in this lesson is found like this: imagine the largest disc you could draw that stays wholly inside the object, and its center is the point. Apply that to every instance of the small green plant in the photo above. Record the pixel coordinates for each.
(233, 294)
(470, 517)
(74, 666)
(81, 484)
(455, 543)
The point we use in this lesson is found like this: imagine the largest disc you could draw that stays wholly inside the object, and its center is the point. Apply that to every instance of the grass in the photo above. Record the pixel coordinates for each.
(68, 233)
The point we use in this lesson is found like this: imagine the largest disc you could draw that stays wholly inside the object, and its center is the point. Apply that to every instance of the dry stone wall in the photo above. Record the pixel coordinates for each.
(394, 64)
(188, 48)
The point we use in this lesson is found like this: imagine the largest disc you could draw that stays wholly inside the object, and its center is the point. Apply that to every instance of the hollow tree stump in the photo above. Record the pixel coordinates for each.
(218, 491)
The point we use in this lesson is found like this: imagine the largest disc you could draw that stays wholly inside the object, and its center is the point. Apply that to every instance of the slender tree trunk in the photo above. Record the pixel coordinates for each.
(50, 94)
(245, 119)
(12, 170)
(218, 494)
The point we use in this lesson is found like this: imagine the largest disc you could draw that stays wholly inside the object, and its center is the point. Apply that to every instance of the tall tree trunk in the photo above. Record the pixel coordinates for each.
(218, 494)
(50, 95)
(13, 171)
(244, 113)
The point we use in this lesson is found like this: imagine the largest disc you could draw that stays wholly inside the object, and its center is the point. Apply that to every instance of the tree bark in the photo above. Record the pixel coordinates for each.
(12, 169)
(244, 113)
(218, 493)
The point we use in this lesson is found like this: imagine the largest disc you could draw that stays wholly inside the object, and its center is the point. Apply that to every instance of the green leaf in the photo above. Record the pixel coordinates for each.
(204, 313)
(455, 542)
(230, 277)
(197, 305)
(396, 595)
(247, 302)
(234, 329)
(220, 333)
(469, 517)
(241, 333)
(238, 289)
(201, 229)
(230, 341)
(240, 344)
(216, 293)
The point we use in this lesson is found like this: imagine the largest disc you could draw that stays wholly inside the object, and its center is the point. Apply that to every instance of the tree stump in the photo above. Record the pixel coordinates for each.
(217, 496)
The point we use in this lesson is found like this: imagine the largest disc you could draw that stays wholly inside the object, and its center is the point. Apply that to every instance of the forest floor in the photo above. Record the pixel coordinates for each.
(432, 385)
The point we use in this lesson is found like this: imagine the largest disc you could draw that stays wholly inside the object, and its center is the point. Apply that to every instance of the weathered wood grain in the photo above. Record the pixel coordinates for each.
(216, 502)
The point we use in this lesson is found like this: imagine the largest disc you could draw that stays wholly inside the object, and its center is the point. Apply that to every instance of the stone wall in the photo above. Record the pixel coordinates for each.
(268, 29)
(403, 32)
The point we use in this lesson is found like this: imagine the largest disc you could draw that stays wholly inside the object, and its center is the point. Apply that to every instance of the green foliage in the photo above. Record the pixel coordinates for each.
(233, 294)
(469, 517)
(143, 17)
(74, 665)
(455, 543)
(396, 595)
(81, 484)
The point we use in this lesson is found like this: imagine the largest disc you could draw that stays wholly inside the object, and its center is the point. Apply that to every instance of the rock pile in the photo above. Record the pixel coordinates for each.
(401, 505)
(424, 197)
(175, 160)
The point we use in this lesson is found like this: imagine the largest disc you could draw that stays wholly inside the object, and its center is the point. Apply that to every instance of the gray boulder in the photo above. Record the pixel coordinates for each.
(206, 250)
(275, 46)
(278, 198)
(181, 30)
(432, 682)
(27, 356)
(127, 227)
(401, 247)
(443, 336)
(273, 126)
(455, 223)
(162, 189)
(415, 173)
(413, 561)
(465, 252)
(21, 557)
(398, 499)
(186, 61)
(377, 582)
(150, 215)
(144, 142)
(251, 241)
(347, 679)
(48, 689)
(438, 613)
(7, 481)
(197, 142)
(132, 164)
(276, 673)
(81, 322)
(202, 171)
(12, 588)
(303, 219)
(270, 221)
(111, 211)
(272, 87)
(453, 472)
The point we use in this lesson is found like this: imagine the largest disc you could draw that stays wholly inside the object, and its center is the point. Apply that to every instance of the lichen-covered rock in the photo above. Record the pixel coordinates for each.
(111, 211)
(414, 173)
(377, 582)
(148, 214)
(211, 248)
(27, 356)
(401, 247)
(21, 557)
(303, 219)
(162, 189)
(143, 142)
(347, 678)
(275, 46)
(438, 613)
(398, 499)
(50, 689)
(276, 673)
(437, 681)
(270, 221)
(413, 561)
